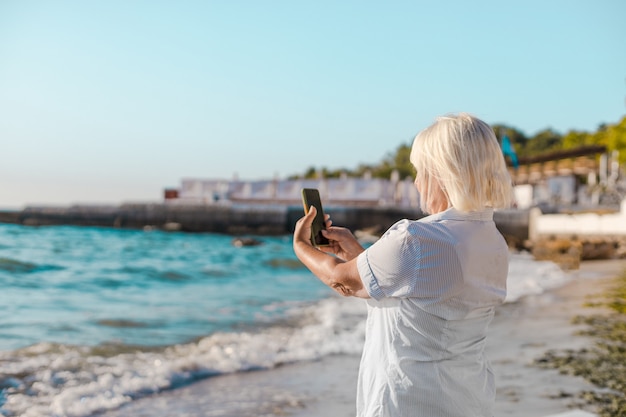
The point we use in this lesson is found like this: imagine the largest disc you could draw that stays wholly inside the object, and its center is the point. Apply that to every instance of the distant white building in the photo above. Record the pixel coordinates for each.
(334, 191)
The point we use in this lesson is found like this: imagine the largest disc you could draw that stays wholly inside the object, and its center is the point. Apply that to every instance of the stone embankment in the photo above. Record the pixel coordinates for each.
(253, 219)
(236, 219)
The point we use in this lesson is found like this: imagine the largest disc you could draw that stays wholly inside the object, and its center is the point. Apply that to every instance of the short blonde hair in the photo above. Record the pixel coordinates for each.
(460, 155)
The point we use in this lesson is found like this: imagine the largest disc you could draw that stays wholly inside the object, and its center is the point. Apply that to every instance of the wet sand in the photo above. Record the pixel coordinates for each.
(520, 333)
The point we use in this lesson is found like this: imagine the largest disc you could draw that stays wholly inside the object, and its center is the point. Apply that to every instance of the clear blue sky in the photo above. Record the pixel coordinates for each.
(111, 101)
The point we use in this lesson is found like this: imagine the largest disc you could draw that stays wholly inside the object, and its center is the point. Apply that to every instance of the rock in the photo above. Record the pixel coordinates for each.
(239, 242)
(564, 252)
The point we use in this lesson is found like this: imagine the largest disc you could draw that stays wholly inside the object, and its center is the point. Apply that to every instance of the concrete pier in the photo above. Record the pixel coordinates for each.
(234, 219)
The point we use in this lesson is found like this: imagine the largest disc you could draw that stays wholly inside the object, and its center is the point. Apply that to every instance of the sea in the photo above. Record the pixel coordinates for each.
(94, 319)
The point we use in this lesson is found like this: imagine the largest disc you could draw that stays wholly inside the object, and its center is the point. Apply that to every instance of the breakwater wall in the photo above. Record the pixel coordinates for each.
(235, 219)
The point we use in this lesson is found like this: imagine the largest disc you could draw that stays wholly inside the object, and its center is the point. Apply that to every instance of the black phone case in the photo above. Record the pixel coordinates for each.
(311, 197)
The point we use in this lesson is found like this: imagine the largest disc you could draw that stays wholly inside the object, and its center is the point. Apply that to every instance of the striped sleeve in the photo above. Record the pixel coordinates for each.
(413, 260)
(390, 267)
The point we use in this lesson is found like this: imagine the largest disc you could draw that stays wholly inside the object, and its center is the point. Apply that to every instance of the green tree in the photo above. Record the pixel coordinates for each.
(544, 141)
(398, 161)
(311, 172)
(575, 139)
(615, 139)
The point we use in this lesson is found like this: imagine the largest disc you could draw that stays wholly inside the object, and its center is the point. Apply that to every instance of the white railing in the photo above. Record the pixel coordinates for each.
(334, 191)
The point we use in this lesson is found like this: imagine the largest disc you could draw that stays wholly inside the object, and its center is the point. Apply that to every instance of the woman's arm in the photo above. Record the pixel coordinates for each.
(338, 274)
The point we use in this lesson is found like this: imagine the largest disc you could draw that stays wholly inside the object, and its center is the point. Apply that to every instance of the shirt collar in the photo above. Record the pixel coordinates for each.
(485, 214)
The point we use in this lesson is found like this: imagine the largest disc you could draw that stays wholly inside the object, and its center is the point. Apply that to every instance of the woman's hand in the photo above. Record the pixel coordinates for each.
(342, 242)
(302, 232)
(339, 272)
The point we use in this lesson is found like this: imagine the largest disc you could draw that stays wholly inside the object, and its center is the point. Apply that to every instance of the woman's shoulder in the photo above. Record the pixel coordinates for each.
(407, 229)
(405, 226)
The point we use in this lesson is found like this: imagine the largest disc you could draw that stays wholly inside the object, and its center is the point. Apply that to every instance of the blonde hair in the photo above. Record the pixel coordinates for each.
(460, 155)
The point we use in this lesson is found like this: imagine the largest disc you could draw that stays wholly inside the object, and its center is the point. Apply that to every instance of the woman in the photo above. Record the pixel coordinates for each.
(431, 285)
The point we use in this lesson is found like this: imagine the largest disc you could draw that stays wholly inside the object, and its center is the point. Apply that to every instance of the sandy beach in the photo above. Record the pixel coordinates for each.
(521, 332)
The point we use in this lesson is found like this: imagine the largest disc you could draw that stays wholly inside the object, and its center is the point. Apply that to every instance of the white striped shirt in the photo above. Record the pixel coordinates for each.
(434, 284)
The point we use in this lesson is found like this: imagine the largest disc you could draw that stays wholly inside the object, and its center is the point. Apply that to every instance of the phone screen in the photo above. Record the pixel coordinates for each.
(311, 197)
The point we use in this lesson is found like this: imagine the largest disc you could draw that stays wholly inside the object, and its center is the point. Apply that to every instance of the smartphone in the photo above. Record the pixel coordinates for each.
(311, 197)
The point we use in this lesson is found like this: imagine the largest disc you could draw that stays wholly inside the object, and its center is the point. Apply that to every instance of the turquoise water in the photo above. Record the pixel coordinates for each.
(90, 286)
(93, 318)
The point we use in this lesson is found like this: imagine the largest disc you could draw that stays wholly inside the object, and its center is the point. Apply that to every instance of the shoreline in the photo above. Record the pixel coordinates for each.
(521, 332)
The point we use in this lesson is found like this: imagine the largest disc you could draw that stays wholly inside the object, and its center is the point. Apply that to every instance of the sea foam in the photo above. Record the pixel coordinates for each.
(63, 380)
